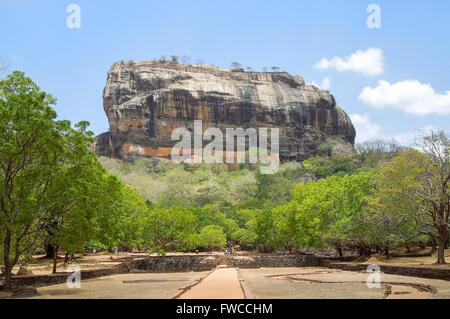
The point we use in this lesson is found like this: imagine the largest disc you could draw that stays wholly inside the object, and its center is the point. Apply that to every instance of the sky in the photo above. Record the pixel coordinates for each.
(388, 67)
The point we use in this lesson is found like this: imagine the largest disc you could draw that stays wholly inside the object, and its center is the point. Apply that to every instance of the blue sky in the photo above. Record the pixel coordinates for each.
(412, 47)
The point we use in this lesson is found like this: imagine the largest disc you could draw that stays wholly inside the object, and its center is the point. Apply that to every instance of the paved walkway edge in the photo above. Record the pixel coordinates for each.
(190, 286)
(245, 287)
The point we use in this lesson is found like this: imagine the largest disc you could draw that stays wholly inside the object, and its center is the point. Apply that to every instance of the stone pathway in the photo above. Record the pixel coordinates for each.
(222, 283)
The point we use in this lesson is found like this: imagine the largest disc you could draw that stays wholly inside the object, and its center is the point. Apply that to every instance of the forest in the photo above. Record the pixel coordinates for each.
(55, 194)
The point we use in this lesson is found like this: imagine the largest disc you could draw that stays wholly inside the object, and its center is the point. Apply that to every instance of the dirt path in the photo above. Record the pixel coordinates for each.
(222, 283)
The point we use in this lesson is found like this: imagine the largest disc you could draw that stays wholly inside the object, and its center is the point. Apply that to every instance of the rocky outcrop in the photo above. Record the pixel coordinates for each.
(146, 101)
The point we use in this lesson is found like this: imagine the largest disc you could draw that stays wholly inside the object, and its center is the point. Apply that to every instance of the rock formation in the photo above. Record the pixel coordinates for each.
(146, 101)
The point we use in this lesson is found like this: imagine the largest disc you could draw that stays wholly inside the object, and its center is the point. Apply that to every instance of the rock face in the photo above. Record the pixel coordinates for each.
(146, 101)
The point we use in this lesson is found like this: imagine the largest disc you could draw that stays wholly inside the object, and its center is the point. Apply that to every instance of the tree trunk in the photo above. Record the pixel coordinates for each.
(288, 247)
(387, 252)
(408, 250)
(8, 281)
(361, 251)
(441, 246)
(441, 257)
(66, 258)
(50, 251)
(340, 251)
(55, 258)
(7, 262)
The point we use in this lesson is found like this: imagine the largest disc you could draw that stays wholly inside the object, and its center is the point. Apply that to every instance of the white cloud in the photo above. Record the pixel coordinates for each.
(368, 131)
(410, 138)
(365, 129)
(369, 62)
(410, 96)
(325, 85)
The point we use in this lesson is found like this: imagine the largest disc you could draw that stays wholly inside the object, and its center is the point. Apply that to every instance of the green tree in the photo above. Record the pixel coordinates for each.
(212, 236)
(209, 215)
(415, 186)
(117, 210)
(173, 229)
(32, 155)
(262, 225)
(348, 217)
(75, 188)
(328, 211)
(273, 190)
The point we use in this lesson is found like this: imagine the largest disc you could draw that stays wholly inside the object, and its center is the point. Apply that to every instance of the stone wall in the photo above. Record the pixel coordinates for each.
(422, 272)
(60, 278)
(150, 264)
(174, 264)
(273, 261)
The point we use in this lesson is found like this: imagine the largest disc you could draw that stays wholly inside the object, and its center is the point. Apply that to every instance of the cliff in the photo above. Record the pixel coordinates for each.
(146, 101)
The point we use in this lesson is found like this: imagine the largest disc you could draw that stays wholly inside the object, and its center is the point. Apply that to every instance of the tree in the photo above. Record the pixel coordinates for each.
(275, 69)
(119, 210)
(336, 165)
(185, 59)
(74, 188)
(273, 189)
(236, 66)
(209, 215)
(375, 152)
(212, 236)
(174, 58)
(286, 226)
(329, 211)
(246, 238)
(199, 62)
(326, 149)
(131, 209)
(348, 217)
(173, 229)
(415, 186)
(262, 225)
(177, 193)
(32, 155)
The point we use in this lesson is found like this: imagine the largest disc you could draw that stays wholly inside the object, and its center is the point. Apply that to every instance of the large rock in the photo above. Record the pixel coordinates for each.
(146, 101)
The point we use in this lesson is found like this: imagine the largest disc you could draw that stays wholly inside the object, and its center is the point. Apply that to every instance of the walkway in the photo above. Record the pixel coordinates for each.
(222, 283)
